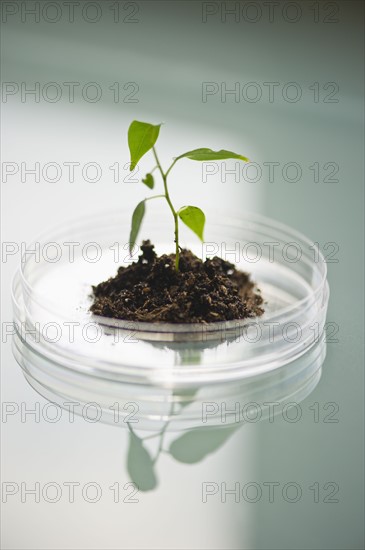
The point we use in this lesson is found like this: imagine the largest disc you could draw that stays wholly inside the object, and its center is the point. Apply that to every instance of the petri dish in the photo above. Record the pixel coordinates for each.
(68, 353)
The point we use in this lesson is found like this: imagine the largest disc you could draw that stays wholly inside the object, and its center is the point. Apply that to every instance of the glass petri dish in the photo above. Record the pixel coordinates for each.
(54, 328)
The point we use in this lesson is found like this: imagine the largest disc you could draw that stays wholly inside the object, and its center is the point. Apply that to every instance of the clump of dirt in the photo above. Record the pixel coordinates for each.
(152, 290)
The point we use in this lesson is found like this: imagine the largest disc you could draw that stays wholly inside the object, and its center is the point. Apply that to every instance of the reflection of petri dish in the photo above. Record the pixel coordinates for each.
(150, 407)
(51, 297)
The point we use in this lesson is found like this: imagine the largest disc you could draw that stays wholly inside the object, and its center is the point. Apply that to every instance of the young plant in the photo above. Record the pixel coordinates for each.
(141, 139)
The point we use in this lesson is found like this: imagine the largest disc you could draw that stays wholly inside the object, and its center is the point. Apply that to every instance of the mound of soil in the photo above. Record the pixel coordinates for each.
(152, 290)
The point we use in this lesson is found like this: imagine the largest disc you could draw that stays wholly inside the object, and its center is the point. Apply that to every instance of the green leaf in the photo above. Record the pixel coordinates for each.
(195, 445)
(208, 154)
(137, 218)
(149, 181)
(141, 138)
(194, 218)
(140, 464)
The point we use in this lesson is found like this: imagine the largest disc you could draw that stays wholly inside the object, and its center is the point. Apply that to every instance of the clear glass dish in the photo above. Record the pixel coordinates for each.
(51, 298)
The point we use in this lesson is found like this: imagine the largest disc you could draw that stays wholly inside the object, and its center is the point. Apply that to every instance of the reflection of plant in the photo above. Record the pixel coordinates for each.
(189, 448)
(141, 139)
(195, 445)
(139, 463)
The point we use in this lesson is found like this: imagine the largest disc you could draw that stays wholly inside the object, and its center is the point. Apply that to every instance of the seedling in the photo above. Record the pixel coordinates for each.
(142, 138)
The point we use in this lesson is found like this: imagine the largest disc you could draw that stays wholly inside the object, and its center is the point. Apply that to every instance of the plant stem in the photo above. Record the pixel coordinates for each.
(174, 213)
(172, 165)
(155, 197)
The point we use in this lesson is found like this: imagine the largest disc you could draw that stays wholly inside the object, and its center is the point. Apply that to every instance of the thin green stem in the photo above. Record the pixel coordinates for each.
(155, 197)
(172, 165)
(174, 213)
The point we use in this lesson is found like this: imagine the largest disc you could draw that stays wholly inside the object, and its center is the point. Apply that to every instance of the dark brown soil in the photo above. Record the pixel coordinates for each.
(201, 292)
